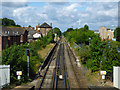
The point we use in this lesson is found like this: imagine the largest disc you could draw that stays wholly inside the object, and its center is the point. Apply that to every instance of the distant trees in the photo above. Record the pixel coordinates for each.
(86, 27)
(117, 34)
(81, 35)
(70, 29)
(57, 30)
(9, 22)
(29, 26)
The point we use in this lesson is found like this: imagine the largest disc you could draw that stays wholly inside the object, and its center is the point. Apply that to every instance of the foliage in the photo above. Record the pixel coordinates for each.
(84, 54)
(70, 29)
(117, 34)
(81, 35)
(9, 22)
(29, 26)
(16, 57)
(110, 58)
(99, 55)
(57, 30)
(86, 28)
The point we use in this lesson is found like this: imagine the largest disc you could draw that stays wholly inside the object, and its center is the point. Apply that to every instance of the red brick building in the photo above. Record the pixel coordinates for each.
(44, 28)
(10, 35)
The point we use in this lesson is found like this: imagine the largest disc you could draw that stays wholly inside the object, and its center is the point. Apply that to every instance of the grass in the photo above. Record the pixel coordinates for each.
(44, 51)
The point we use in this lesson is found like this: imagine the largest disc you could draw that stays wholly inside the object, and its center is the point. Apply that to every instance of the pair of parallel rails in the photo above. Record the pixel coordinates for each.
(58, 67)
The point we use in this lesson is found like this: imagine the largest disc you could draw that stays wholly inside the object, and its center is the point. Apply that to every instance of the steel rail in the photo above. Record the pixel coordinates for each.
(70, 52)
(46, 69)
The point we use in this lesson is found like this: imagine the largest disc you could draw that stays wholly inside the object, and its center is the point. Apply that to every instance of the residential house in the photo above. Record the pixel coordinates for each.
(10, 35)
(31, 32)
(106, 33)
(44, 28)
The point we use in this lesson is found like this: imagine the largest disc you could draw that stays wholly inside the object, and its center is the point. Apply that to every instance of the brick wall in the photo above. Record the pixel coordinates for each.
(44, 31)
(4, 41)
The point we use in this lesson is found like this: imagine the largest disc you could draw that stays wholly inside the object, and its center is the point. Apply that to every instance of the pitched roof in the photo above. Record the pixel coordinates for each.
(12, 31)
(45, 25)
(30, 33)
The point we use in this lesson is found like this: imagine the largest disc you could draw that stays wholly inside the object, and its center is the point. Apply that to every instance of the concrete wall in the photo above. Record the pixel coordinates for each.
(116, 77)
(4, 75)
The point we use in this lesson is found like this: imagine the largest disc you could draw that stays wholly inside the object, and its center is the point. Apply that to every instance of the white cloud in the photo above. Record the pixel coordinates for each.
(65, 15)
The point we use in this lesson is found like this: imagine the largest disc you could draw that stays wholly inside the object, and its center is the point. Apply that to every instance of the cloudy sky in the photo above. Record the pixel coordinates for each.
(62, 14)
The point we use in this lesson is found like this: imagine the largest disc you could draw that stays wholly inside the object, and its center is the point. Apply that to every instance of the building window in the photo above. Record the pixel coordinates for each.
(5, 32)
(21, 38)
(8, 38)
(8, 32)
(47, 29)
(38, 28)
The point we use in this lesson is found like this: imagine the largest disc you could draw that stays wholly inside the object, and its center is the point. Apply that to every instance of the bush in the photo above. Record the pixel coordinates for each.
(16, 57)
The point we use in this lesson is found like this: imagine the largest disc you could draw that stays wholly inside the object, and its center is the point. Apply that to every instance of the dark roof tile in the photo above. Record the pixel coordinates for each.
(45, 25)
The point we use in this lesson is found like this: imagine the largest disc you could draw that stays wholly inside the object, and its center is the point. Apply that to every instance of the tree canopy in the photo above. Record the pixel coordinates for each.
(57, 30)
(9, 22)
(117, 34)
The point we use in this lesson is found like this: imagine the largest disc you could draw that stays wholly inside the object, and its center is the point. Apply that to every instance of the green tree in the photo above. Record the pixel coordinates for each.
(57, 30)
(29, 26)
(117, 34)
(70, 29)
(96, 50)
(86, 27)
(9, 22)
(110, 58)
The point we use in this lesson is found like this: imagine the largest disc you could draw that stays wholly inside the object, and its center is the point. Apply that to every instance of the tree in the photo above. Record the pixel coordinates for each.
(96, 49)
(86, 27)
(70, 29)
(110, 58)
(9, 22)
(29, 26)
(57, 30)
(117, 34)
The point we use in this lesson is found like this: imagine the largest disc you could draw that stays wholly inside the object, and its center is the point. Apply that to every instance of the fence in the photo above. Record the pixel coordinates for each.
(4, 75)
(116, 76)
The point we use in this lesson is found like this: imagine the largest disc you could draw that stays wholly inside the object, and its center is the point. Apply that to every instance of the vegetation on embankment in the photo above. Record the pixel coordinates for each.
(94, 54)
(15, 56)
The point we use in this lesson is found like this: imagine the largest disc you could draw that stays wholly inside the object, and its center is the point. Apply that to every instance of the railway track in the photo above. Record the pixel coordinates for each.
(64, 73)
(78, 74)
(59, 77)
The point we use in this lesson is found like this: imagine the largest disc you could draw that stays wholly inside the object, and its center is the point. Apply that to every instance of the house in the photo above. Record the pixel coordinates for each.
(106, 33)
(36, 35)
(10, 35)
(44, 28)
(31, 32)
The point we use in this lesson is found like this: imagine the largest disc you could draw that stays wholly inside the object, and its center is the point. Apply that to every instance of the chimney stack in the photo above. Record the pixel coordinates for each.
(38, 24)
(51, 24)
